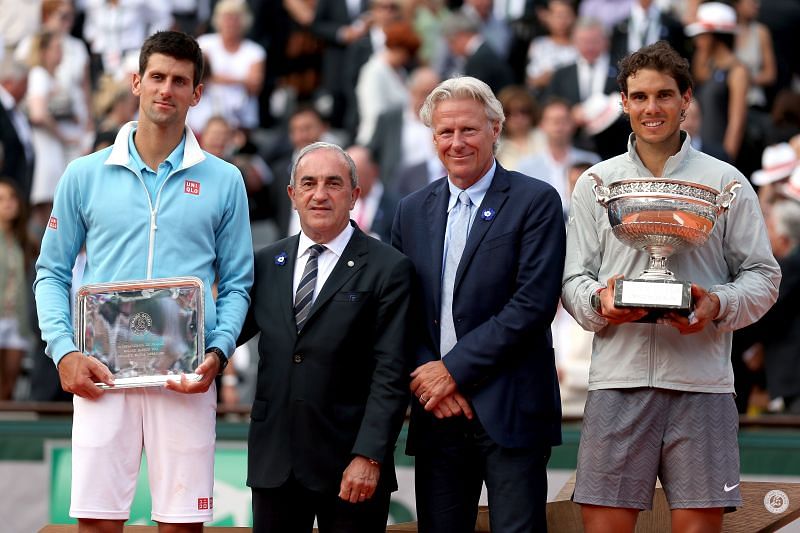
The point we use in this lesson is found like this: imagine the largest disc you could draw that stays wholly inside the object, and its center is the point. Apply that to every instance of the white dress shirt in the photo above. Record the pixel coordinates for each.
(476, 192)
(592, 78)
(366, 207)
(644, 27)
(325, 262)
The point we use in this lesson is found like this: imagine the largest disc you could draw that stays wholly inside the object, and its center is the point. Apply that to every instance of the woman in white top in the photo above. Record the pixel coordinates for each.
(52, 122)
(237, 66)
(754, 49)
(382, 80)
(521, 137)
(549, 52)
(72, 72)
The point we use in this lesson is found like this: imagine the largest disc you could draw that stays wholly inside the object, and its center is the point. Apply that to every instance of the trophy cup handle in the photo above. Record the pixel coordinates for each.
(601, 192)
(726, 197)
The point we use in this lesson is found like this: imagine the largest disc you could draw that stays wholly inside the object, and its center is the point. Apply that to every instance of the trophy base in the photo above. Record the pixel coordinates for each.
(658, 295)
(147, 381)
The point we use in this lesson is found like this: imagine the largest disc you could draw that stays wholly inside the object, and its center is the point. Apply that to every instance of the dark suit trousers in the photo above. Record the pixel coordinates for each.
(449, 477)
(291, 508)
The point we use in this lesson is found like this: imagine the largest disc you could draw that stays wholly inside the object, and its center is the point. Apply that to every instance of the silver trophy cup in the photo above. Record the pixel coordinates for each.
(661, 217)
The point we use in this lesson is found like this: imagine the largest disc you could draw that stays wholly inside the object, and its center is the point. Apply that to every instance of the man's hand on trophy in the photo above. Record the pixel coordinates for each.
(617, 315)
(706, 309)
(207, 371)
(79, 373)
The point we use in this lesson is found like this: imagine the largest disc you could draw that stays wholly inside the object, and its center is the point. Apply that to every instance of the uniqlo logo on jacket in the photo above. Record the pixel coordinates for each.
(191, 187)
(53, 223)
(204, 504)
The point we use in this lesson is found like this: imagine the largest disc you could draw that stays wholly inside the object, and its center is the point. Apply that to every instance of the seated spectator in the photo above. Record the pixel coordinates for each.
(427, 16)
(721, 79)
(395, 144)
(647, 23)
(114, 104)
(306, 126)
(549, 52)
(592, 74)
(473, 55)
(552, 164)
(494, 30)
(381, 14)
(15, 131)
(520, 137)
(231, 144)
(375, 207)
(778, 162)
(381, 83)
(54, 124)
(778, 332)
(608, 12)
(784, 118)
(754, 48)
(692, 124)
(115, 31)
(72, 72)
(15, 261)
(237, 64)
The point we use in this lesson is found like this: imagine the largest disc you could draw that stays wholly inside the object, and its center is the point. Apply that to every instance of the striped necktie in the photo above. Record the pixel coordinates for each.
(305, 290)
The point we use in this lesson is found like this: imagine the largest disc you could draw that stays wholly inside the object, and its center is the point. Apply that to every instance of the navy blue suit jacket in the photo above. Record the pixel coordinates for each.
(506, 293)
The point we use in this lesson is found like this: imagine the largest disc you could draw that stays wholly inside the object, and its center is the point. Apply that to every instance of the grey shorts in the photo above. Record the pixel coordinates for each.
(687, 439)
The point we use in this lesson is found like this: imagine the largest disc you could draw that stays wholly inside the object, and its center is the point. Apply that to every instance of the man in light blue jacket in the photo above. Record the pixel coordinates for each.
(153, 205)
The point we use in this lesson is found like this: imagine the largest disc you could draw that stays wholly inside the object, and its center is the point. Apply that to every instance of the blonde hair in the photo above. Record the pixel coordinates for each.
(238, 7)
(464, 87)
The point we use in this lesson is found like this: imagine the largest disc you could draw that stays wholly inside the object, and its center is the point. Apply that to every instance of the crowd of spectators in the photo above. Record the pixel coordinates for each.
(282, 74)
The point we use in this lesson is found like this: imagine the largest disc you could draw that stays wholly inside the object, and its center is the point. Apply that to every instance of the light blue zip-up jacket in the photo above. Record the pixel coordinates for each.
(196, 224)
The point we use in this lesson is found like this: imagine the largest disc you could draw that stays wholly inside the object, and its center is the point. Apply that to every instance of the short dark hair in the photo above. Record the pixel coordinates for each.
(175, 44)
(306, 107)
(659, 56)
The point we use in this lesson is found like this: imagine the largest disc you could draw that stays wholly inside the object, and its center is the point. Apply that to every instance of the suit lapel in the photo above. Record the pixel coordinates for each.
(494, 199)
(436, 219)
(353, 259)
(284, 277)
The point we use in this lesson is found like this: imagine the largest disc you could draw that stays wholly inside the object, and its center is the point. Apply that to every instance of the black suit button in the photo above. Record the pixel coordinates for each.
(298, 358)
(435, 322)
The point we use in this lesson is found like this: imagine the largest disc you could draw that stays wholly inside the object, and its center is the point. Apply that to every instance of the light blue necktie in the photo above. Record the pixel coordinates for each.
(457, 231)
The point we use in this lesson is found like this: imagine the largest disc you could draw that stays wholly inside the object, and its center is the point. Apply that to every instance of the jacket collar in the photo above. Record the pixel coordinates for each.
(673, 163)
(192, 154)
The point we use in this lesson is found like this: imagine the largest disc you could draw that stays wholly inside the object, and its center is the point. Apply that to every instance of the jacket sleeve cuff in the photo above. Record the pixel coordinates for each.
(222, 342)
(723, 302)
(61, 347)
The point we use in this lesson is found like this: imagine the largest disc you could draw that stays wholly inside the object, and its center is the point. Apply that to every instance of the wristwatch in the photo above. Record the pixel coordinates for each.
(595, 302)
(223, 359)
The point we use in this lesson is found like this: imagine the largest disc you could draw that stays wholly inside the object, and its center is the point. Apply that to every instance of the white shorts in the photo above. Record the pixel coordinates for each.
(10, 337)
(178, 433)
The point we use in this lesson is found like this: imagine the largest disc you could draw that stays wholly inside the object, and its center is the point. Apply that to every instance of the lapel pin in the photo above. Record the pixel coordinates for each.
(487, 214)
(350, 264)
(280, 259)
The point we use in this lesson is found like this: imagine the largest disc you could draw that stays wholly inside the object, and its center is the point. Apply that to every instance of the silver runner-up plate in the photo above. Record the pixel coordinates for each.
(146, 332)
